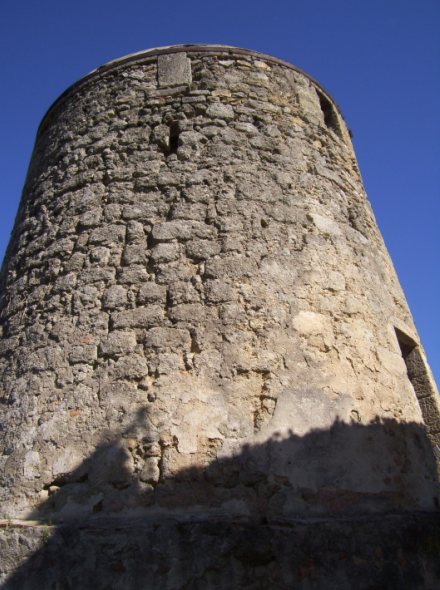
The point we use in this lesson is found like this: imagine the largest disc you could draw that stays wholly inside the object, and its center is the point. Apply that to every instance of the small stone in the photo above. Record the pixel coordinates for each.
(161, 135)
(152, 293)
(165, 252)
(132, 443)
(142, 317)
(219, 110)
(115, 296)
(83, 354)
(171, 230)
(32, 465)
(150, 472)
(118, 343)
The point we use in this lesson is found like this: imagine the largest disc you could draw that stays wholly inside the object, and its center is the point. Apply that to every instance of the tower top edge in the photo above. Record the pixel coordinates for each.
(151, 53)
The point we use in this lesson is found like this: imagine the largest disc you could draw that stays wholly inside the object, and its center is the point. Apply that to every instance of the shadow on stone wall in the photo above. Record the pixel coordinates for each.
(349, 518)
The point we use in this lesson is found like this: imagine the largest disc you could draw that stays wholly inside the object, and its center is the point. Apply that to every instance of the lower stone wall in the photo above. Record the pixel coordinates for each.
(396, 551)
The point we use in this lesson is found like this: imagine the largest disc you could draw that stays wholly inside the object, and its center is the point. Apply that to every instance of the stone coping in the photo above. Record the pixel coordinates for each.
(148, 55)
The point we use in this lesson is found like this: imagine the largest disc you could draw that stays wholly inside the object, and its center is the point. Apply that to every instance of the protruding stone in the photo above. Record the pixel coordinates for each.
(174, 69)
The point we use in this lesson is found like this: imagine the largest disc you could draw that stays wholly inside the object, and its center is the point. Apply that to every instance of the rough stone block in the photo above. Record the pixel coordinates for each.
(150, 472)
(107, 235)
(174, 69)
(115, 296)
(202, 249)
(173, 338)
(152, 293)
(86, 353)
(135, 274)
(171, 230)
(165, 252)
(183, 292)
(131, 367)
(141, 317)
(118, 343)
(217, 110)
(217, 291)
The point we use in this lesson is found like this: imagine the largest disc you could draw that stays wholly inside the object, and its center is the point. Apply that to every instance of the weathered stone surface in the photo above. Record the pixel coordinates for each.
(217, 110)
(118, 343)
(394, 552)
(199, 316)
(174, 69)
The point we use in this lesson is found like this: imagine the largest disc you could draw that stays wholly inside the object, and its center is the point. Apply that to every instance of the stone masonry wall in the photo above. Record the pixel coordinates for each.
(392, 552)
(195, 273)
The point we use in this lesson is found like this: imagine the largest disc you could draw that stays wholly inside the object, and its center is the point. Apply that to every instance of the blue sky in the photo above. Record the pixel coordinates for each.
(379, 59)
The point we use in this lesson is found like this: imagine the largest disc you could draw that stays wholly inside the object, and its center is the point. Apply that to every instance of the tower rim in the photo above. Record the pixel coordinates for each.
(147, 54)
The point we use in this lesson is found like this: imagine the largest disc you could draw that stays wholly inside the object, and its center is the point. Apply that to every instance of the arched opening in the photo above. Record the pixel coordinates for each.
(330, 116)
(418, 374)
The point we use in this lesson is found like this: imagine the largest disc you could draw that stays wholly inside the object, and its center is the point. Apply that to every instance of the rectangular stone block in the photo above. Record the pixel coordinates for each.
(117, 343)
(142, 317)
(86, 353)
(173, 338)
(173, 69)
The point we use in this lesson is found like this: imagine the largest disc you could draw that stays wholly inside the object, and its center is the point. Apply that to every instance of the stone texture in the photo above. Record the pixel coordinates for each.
(391, 552)
(199, 316)
(174, 69)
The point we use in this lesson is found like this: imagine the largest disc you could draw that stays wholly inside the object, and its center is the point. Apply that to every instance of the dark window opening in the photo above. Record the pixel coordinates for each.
(415, 365)
(330, 116)
(406, 344)
(174, 138)
(418, 374)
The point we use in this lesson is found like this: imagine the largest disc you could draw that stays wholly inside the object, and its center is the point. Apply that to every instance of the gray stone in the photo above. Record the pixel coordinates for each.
(150, 472)
(141, 317)
(172, 338)
(152, 293)
(171, 230)
(83, 354)
(131, 367)
(118, 343)
(115, 296)
(217, 110)
(173, 69)
(165, 252)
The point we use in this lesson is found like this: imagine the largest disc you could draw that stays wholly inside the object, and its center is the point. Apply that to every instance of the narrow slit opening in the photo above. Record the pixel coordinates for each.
(174, 139)
(415, 365)
(330, 116)
(406, 344)
(418, 375)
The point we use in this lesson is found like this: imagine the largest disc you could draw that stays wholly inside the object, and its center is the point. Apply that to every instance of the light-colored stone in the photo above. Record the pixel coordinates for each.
(173, 69)
(198, 313)
(150, 472)
(65, 461)
(218, 110)
(32, 465)
(118, 343)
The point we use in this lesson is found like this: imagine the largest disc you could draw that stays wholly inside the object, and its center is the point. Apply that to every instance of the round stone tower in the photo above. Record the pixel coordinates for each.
(200, 320)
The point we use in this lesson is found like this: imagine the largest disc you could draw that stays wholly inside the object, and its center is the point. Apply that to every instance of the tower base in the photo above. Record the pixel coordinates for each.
(371, 552)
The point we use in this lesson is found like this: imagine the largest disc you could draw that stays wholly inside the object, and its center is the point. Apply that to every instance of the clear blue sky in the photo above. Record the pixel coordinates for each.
(380, 59)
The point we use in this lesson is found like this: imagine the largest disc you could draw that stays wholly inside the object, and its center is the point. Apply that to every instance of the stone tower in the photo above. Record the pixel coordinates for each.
(204, 342)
